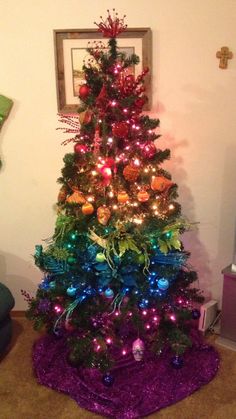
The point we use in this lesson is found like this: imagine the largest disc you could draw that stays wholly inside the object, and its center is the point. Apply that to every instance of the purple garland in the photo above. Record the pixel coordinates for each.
(139, 389)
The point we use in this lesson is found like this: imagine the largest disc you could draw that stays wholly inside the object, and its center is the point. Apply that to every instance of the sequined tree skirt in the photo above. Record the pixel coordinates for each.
(139, 388)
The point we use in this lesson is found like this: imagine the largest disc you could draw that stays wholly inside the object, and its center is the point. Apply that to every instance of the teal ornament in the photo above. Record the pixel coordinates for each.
(100, 257)
(109, 293)
(71, 291)
(163, 284)
(52, 285)
(73, 235)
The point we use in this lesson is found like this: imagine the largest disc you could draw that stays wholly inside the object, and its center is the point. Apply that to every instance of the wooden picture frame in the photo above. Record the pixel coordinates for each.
(71, 44)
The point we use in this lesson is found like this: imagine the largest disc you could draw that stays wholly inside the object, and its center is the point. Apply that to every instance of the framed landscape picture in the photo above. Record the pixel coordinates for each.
(71, 53)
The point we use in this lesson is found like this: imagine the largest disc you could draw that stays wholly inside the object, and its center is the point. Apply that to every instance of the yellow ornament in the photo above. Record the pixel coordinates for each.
(122, 197)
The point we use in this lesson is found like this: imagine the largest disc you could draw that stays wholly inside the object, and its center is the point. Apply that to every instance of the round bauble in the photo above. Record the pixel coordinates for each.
(71, 291)
(143, 196)
(71, 260)
(100, 257)
(149, 149)
(84, 91)
(163, 284)
(131, 173)
(140, 102)
(122, 197)
(108, 379)
(120, 129)
(87, 208)
(109, 293)
(196, 314)
(177, 361)
(80, 148)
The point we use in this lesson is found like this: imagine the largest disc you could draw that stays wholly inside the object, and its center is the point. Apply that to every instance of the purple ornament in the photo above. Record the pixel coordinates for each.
(108, 379)
(177, 361)
(44, 305)
(196, 314)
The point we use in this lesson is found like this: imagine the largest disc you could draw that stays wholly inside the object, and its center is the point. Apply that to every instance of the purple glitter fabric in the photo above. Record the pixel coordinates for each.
(139, 389)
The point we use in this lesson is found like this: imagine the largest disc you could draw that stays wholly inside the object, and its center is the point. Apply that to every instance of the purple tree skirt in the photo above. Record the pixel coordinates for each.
(139, 389)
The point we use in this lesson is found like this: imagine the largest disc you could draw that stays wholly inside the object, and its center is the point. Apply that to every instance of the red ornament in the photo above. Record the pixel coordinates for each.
(149, 149)
(120, 129)
(80, 148)
(84, 91)
(140, 102)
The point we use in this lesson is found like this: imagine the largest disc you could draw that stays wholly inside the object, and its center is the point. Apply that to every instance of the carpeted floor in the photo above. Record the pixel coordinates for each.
(21, 397)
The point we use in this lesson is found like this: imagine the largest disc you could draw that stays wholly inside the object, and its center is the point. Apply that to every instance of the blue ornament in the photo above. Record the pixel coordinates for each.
(177, 361)
(163, 284)
(196, 314)
(71, 291)
(109, 293)
(108, 379)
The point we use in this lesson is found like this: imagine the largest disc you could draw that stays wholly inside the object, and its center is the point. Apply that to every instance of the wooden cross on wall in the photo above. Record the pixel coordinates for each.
(224, 55)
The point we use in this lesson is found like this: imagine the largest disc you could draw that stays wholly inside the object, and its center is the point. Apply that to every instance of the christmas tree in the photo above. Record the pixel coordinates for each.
(116, 278)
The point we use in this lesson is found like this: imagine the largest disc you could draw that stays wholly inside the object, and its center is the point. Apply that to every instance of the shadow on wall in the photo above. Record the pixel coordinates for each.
(199, 258)
(9, 264)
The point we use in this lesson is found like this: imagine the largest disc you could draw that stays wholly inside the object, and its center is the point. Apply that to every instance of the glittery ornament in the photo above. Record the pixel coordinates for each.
(62, 194)
(138, 349)
(84, 91)
(196, 314)
(76, 198)
(163, 284)
(149, 149)
(80, 148)
(131, 173)
(177, 361)
(140, 102)
(108, 379)
(143, 196)
(120, 129)
(103, 214)
(112, 26)
(122, 197)
(87, 208)
(160, 183)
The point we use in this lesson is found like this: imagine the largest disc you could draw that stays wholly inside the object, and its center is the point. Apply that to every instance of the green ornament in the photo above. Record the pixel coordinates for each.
(73, 235)
(100, 257)
(71, 260)
(141, 259)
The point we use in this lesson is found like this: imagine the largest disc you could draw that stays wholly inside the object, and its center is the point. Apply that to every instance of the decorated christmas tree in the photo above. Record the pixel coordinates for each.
(116, 277)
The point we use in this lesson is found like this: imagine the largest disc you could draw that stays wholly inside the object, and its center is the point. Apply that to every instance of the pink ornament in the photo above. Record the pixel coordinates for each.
(138, 349)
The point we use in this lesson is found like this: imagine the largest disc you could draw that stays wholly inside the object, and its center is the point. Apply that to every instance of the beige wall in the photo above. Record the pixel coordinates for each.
(194, 99)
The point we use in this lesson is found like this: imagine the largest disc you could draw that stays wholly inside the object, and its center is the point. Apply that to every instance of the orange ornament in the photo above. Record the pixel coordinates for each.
(62, 194)
(143, 196)
(122, 197)
(87, 208)
(76, 198)
(103, 214)
(160, 183)
(131, 173)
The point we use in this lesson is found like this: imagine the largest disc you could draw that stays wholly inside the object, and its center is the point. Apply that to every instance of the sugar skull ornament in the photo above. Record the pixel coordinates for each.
(138, 349)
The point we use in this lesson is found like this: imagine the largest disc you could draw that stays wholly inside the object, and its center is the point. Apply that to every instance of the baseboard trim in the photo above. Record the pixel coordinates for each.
(18, 313)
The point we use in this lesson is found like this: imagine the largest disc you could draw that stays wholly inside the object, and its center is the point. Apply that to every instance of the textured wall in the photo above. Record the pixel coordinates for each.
(194, 99)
